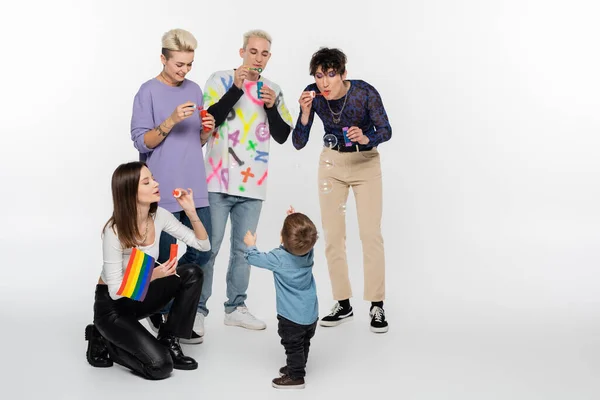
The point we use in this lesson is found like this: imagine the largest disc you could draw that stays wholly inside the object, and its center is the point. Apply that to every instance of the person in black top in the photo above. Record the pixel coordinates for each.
(355, 123)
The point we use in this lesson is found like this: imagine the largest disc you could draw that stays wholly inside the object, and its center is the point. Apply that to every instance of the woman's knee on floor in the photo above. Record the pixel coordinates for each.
(160, 368)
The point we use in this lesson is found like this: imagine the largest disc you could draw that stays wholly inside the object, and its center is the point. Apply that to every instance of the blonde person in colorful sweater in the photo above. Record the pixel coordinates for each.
(248, 110)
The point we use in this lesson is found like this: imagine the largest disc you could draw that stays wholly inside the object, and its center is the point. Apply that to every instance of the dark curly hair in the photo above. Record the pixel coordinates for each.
(327, 59)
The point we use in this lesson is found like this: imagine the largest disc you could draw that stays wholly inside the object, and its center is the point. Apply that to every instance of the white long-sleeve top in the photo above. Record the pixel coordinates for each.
(116, 257)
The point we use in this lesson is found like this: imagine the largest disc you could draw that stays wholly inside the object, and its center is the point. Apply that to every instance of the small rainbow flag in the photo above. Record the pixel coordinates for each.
(137, 276)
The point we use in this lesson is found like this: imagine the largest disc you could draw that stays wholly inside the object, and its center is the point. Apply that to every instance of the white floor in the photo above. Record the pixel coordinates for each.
(471, 318)
(458, 357)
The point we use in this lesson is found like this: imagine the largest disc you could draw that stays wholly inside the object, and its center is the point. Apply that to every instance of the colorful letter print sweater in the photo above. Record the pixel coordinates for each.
(237, 154)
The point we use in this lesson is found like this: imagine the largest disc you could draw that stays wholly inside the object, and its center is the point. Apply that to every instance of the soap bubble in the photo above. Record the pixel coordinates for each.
(326, 163)
(342, 208)
(330, 140)
(325, 186)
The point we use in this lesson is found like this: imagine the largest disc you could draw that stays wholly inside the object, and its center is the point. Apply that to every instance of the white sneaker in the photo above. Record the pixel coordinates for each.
(242, 317)
(199, 324)
(194, 339)
(155, 321)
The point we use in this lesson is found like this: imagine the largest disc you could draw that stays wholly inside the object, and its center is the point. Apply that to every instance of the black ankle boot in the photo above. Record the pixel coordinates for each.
(97, 353)
(179, 360)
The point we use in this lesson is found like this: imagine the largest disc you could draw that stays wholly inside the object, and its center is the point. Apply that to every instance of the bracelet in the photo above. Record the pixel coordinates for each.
(194, 220)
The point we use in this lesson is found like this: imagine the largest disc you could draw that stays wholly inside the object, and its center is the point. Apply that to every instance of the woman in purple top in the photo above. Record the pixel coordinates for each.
(168, 131)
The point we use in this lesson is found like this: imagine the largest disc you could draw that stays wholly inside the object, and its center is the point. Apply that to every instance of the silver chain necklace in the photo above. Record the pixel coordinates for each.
(337, 116)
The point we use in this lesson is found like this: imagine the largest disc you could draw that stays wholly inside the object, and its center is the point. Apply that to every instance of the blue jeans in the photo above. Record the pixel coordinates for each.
(245, 213)
(191, 255)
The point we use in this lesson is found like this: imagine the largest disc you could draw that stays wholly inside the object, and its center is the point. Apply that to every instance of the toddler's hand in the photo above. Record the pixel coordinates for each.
(250, 239)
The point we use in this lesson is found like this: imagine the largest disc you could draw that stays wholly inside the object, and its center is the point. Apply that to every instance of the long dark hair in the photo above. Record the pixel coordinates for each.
(125, 182)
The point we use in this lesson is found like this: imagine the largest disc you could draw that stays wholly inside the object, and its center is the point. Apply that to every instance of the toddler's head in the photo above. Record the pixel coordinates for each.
(299, 234)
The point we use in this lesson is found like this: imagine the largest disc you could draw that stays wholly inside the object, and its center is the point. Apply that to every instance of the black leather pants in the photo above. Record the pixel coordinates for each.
(129, 343)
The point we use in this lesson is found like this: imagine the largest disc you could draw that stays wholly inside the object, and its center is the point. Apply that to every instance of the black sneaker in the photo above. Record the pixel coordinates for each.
(194, 339)
(285, 382)
(97, 353)
(378, 322)
(338, 315)
(155, 321)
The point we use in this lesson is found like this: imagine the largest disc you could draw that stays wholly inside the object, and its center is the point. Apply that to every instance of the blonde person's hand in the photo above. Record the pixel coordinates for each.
(250, 239)
(183, 111)
(208, 122)
(186, 200)
(268, 96)
(355, 134)
(163, 270)
(239, 75)
(290, 211)
(305, 101)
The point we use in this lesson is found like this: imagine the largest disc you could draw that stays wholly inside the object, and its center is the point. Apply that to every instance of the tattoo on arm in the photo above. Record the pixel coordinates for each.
(161, 132)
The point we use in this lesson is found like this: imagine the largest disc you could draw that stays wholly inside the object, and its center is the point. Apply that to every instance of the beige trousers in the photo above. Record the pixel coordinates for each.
(362, 172)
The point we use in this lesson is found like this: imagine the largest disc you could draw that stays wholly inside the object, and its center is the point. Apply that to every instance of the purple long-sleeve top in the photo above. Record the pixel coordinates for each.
(177, 161)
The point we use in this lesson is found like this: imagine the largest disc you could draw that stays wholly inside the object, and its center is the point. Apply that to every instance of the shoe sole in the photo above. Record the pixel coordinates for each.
(186, 367)
(151, 325)
(242, 325)
(379, 330)
(192, 341)
(276, 386)
(89, 332)
(335, 323)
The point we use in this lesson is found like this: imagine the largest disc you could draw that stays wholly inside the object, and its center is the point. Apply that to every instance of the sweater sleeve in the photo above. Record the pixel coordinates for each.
(221, 108)
(279, 129)
(142, 119)
(220, 96)
(280, 122)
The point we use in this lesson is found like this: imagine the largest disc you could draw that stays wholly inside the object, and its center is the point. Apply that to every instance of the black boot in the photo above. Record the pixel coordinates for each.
(97, 353)
(179, 360)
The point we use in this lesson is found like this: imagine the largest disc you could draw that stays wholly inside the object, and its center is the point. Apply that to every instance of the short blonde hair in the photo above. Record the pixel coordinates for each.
(256, 33)
(178, 40)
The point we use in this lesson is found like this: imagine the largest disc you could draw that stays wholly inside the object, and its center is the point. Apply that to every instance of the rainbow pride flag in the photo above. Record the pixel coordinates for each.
(137, 276)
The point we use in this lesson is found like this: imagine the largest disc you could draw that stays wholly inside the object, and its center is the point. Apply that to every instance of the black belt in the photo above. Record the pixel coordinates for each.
(351, 149)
